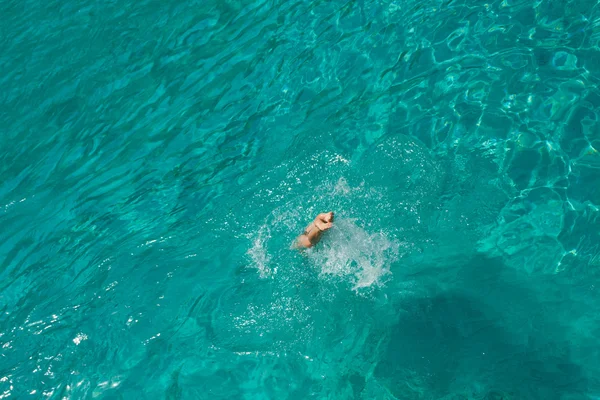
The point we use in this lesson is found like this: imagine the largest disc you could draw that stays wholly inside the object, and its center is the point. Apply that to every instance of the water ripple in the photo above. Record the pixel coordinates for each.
(158, 159)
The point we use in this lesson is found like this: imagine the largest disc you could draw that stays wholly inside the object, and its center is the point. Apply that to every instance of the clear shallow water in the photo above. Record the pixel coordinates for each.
(158, 158)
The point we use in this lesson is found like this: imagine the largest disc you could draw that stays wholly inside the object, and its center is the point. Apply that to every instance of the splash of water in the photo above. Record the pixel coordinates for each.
(258, 252)
(350, 252)
(347, 251)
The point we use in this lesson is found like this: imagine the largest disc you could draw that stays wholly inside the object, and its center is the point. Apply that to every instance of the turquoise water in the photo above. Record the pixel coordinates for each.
(158, 158)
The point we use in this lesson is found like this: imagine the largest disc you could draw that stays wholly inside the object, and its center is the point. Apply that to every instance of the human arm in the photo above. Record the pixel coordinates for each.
(312, 233)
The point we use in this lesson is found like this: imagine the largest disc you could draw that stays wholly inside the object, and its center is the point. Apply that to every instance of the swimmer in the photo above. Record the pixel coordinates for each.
(312, 233)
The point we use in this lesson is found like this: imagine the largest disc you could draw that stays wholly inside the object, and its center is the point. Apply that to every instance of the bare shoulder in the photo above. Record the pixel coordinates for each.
(302, 242)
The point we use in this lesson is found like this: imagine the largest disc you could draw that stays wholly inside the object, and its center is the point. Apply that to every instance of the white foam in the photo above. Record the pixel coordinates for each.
(350, 252)
(258, 252)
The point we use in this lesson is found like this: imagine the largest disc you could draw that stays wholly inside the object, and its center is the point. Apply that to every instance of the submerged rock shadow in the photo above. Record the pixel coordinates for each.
(487, 336)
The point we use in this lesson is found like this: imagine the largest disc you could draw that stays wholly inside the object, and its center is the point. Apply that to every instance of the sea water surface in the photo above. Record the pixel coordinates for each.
(157, 159)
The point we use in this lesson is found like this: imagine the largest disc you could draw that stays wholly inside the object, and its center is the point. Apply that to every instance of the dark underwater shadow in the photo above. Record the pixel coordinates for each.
(485, 335)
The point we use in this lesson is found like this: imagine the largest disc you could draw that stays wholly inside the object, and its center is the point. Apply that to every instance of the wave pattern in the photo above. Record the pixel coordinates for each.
(158, 159)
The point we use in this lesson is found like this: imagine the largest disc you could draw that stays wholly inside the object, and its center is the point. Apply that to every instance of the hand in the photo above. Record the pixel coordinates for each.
(324, 221)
